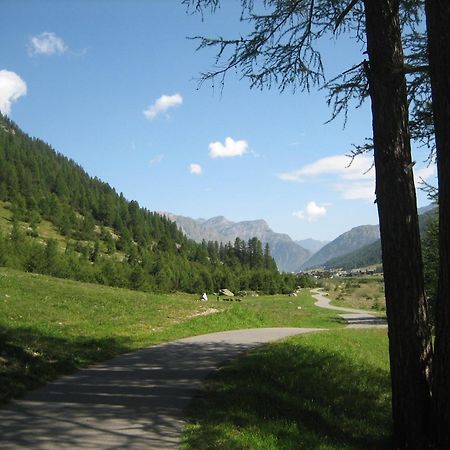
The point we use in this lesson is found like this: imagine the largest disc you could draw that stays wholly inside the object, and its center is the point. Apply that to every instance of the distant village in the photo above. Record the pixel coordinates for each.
(335, 273)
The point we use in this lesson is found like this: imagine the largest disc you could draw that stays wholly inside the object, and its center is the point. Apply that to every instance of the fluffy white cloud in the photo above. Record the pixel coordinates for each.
(46, 43)
(12, 87)
(195, 169)
(230, 149)
(161, 105)
(312, 212)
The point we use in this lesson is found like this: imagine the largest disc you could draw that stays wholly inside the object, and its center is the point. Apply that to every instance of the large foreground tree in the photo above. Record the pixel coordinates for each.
(409, 332)
(438, 28)
(280, 50)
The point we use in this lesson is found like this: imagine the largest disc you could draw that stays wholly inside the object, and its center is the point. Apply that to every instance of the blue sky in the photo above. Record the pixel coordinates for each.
(113, 85)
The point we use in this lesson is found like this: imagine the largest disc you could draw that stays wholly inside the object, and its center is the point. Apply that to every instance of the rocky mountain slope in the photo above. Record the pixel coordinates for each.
(371, 254)
(288, 255)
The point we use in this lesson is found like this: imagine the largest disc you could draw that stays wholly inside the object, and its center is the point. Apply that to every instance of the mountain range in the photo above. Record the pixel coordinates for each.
(357, 247)
(288, 255)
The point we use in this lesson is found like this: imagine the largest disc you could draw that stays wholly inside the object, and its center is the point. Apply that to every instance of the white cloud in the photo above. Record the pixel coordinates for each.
(362, 190)
(354, 181)
(46, 43)
(162, 104)
(230, 149)
(312, 212)
(156, 160)
(337, 165)
(195, 169)
(12, 87)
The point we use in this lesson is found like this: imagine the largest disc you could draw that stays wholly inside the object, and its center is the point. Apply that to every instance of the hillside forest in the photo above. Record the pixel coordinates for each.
(55, 219)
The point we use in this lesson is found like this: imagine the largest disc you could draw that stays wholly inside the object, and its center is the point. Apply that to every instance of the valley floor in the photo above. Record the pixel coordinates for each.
(323, 390)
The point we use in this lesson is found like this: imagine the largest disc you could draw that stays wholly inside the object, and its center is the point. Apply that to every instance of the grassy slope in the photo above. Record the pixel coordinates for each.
(50, 326)
(322, 391)
(5, 218)
(46, 230)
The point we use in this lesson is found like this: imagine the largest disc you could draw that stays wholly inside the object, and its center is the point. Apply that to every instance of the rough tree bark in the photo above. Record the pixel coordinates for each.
(410, 346)
(438, 28)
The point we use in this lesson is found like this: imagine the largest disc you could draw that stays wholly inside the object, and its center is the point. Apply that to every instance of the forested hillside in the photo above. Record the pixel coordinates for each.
(366, 256)
(56, 219)
(347, 242)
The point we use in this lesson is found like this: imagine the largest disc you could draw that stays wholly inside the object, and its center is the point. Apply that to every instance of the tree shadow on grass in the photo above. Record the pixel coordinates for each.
(135, 400)
(29, 358)
(286, 396)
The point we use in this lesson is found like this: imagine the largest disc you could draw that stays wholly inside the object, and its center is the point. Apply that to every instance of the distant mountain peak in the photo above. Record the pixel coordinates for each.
(313, 245)
(218, 220)
(288, 255)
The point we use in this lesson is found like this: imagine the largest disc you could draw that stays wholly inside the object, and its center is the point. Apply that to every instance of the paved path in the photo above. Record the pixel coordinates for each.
(355, 318)
(134, 401)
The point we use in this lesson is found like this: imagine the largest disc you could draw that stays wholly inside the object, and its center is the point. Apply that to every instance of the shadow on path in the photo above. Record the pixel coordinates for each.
(132, 401)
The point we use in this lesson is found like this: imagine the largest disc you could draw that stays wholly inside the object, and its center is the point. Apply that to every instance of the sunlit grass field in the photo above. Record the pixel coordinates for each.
(51, 326)
(328, 390)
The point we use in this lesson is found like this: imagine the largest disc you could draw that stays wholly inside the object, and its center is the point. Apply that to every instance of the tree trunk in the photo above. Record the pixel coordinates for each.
(438, 27)
(410, 346)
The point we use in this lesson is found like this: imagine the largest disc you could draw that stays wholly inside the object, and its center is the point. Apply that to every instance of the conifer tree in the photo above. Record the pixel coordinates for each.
(280, 49)
(438, 20)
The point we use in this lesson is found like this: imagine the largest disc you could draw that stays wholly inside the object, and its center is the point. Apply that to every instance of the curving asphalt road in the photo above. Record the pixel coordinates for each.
(134, 401)
(355, 318)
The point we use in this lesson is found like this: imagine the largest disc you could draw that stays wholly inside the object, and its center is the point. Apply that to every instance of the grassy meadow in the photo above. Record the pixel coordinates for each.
(327, 390)
(51, 326)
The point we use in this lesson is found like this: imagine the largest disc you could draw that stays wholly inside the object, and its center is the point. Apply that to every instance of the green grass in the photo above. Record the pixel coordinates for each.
(46, 230)
(328, 390)
(357, 292)
(50, 326)
(5, 217)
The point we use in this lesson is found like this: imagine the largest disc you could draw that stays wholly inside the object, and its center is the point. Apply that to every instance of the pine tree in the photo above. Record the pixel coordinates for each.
(280, 49)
